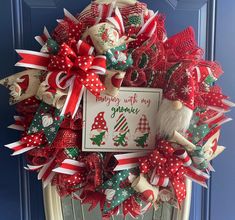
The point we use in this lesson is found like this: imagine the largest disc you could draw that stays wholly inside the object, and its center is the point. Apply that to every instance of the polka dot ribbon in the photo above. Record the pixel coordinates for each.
(36, 139)
(169, 165)
(27, 143)
(74, 67)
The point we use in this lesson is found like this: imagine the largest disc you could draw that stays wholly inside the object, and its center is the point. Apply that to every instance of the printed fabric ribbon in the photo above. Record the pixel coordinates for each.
(118, 59)
(170, 165)
(74, 67)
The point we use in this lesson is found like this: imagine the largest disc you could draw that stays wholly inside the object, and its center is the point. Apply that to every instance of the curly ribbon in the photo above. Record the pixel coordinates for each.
(73, 67)
(171, 165)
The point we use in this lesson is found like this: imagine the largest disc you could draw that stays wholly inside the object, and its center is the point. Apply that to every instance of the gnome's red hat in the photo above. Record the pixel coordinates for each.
(99, 122)
(181, 85)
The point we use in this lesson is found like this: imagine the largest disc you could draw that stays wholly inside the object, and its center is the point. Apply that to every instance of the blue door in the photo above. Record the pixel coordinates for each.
(21, 20)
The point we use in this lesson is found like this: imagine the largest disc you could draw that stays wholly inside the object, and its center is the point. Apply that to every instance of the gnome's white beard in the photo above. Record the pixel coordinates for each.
(170, 119)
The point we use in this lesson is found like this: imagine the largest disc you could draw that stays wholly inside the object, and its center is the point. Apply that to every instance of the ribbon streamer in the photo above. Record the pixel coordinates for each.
(43, 38)
(69, 167)
(128, 161)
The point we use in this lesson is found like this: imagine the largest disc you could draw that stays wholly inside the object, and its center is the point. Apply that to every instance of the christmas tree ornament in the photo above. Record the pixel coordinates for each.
(167, 133)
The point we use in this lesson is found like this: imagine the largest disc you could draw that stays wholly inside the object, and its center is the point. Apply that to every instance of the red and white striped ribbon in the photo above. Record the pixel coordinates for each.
(43, 38)
(46, 174)
(149, 27)
(128, 161)
(19, 147)
(117, 21)
(84, 49)
(197, 176)
(18, 125)
(33, 168)
(218, 119)
(105, 10)
(33, 60)
(70, 17)
(159, 181)
(185, 158)
(69, 167)
(75, 93)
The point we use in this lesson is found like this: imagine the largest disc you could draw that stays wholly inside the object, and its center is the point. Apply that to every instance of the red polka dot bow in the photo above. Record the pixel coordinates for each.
(169, 165)
(73, 68)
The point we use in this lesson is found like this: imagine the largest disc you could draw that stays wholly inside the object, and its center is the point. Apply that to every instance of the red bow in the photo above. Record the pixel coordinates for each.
(73, 67)
(171, 165)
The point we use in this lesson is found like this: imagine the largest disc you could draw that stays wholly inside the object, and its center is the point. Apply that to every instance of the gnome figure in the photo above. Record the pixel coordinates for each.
(142, 133)
(121, 132)
(177, 106)
(99, 130)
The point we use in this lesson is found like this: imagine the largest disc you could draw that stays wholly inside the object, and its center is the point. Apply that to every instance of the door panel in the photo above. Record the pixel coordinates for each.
(24, 19)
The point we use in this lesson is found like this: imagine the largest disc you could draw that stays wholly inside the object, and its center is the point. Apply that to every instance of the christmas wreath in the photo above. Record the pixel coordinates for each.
(109, 45)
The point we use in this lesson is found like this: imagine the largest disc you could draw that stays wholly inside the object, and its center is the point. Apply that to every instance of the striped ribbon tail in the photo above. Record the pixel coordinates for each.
(46, 174)
(74, 98)
(70, 17)
(33, 168)
(128, 161)
(18, 125)
(117, 21)
(149, 27)
(19, 147)
(219, 119)
(33, 60)
(197, 176)
(69, 167)
(43, 38)
(105, 10)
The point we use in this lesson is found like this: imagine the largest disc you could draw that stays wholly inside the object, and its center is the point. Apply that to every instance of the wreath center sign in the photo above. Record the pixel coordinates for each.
(125, 123)
(115, 112)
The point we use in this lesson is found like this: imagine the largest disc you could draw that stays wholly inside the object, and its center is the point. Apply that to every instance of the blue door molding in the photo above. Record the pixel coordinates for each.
(210, 55)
